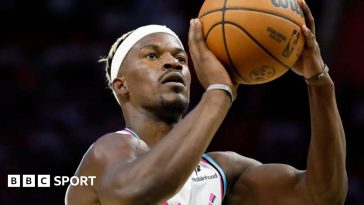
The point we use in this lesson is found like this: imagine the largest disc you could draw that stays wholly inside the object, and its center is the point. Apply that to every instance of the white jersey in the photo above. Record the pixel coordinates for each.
(206, 185)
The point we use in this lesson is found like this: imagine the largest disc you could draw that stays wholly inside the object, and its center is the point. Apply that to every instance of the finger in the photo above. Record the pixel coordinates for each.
(191, 40)
(310, 36)
(196, 39)
(191, 34)
(310, 21)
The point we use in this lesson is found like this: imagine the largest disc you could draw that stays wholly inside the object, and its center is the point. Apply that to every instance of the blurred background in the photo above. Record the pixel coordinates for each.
(55, 103)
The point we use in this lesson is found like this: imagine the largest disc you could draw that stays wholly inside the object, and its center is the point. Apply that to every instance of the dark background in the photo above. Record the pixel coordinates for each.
(54, 102)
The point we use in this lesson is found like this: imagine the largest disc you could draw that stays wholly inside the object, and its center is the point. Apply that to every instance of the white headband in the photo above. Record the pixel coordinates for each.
(131, 40)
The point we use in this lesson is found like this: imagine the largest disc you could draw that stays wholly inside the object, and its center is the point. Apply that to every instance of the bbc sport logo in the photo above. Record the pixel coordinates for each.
(43, 180)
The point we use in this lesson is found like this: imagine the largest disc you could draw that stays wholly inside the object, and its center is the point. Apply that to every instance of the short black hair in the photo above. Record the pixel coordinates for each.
(107, 60)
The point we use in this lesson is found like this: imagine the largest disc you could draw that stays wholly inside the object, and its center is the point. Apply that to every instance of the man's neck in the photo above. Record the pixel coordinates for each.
(147, 126)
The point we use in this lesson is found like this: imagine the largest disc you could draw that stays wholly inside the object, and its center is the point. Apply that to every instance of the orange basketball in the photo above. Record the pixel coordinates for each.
(257, 40)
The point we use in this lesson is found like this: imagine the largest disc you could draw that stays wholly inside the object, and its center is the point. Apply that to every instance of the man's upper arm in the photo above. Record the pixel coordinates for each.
(106, 157)
(251, 182)
(278, 183)
(233, 165)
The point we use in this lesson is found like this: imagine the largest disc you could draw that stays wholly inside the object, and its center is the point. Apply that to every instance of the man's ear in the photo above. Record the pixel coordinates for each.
(120, 86)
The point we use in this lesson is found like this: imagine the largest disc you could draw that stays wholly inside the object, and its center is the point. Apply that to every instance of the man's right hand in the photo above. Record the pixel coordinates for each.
(208, 68)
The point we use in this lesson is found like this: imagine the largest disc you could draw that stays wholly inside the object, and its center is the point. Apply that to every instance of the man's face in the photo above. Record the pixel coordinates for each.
(157, 75)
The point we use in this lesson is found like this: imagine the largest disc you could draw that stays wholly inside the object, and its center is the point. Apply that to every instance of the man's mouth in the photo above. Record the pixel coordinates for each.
(173, 77)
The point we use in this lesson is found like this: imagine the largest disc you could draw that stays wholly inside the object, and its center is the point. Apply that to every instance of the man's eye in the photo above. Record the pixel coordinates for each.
(181, 59)
(151, 56)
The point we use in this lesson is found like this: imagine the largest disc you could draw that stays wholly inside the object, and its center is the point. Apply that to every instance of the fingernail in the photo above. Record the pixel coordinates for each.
(307, 29)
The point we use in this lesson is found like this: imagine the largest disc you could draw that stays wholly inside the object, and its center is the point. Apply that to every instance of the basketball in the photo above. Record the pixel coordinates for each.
(257, 40)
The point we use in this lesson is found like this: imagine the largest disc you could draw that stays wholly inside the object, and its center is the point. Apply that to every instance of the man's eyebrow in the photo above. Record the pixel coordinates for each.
(152, 46)
(179, 50)
(158, 48)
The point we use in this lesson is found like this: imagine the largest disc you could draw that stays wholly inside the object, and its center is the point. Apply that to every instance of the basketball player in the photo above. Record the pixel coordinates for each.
(159, 157)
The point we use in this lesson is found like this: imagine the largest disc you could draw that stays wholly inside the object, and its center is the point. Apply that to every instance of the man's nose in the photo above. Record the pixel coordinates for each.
(170, 62)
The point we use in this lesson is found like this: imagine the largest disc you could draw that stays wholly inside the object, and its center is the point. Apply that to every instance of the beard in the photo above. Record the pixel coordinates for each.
(169, 111)
(172, 111)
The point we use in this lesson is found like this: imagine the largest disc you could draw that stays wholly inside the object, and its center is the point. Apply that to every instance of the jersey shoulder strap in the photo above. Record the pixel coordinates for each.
(218, 169)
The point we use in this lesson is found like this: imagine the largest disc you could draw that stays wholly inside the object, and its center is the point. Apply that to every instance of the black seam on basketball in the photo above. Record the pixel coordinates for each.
(209, 12)
(257, 42)
(223, 31)
(267, 12)
(229, 58)
(249, 9)
(213, 26)
(231, 64)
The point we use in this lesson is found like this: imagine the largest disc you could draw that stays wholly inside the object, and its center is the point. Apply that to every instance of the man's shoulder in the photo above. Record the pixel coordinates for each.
(111, 142)
(109, 148)
(115, 145)
(96, 159)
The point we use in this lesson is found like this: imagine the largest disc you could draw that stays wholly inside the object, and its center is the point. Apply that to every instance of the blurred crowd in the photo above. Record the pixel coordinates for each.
(55, 102)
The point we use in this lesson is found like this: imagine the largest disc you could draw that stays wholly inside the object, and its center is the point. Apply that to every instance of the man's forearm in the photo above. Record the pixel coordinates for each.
(326, 173)
(175, 157)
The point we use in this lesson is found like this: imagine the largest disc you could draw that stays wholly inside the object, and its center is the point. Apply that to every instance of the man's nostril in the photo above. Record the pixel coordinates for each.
(168, 65)
(179, 67)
